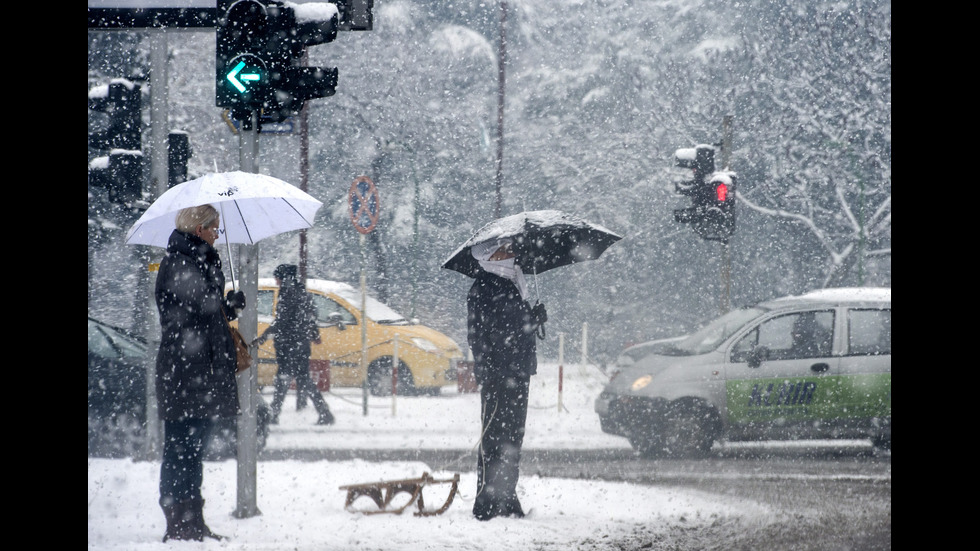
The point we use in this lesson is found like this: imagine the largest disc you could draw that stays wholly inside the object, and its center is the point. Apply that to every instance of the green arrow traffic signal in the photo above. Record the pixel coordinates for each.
(236, 76)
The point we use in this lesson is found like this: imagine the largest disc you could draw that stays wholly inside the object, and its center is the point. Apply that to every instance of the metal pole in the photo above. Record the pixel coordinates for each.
(726, 261)
(304, 171)
(394, 377)
(145, 303)
(561, 366)
(248, 324)
(501, 62)
(159, 86)
(364, 366)
(415, 237)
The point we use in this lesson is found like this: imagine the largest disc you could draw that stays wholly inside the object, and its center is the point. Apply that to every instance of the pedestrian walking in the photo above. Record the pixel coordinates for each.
(501, 328)
(293, 329)
(196, 365)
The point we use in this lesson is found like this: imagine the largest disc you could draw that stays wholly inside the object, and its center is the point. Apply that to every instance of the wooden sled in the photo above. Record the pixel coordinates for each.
(383, 492)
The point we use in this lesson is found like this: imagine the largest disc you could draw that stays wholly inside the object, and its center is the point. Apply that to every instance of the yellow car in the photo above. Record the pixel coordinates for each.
(426, 358)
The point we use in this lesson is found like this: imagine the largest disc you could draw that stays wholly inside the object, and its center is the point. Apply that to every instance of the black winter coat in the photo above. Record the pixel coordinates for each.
(295, 323)
(500, 331)
(196, 363)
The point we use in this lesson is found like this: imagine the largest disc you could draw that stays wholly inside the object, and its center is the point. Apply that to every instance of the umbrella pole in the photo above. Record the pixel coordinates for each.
(231, 261)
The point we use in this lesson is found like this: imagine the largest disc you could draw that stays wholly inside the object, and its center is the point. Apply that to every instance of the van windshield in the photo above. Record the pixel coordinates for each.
(710, 336)
(377, 311)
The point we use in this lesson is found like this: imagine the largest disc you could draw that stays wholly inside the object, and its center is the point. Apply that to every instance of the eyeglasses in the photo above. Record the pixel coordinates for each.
(215, 230)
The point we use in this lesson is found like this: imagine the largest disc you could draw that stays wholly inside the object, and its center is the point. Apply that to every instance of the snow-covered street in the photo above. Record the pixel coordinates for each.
(303, 508)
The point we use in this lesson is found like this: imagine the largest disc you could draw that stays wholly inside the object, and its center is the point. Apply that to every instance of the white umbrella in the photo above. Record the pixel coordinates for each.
(252, 207)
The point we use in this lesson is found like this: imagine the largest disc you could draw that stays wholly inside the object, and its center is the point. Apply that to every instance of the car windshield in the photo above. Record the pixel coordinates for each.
(376, 311)
(107, 342)
(710, 336)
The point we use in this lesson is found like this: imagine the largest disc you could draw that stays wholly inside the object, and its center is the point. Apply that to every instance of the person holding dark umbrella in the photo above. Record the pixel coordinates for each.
(196, 365)
(293, 329)
(501, 328)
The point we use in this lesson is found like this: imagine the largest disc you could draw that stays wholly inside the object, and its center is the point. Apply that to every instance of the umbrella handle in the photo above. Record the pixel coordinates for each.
(231, 260)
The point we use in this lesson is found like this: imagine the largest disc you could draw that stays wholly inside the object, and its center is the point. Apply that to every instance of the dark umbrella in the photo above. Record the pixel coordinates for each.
(543, 240)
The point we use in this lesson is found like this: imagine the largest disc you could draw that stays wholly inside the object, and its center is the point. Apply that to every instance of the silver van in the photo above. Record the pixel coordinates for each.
(814, 366)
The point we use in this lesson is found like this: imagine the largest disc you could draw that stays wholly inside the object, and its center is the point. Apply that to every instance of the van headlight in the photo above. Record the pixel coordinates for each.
(425, 344)
(641, 382)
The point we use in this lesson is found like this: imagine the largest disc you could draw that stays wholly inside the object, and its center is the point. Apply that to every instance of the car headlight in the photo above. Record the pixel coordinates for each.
(641, 382)
(425, 344)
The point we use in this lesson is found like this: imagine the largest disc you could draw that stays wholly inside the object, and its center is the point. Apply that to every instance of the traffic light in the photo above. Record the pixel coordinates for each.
(241, 72)
(718, 218)
(291, 30)
(258, 45)
(178, 152)
(121, 101)
(701, 161)
(120, 173)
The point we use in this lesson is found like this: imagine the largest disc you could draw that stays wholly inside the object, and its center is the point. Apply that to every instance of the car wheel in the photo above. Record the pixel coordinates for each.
(379, 378)
(690, 429)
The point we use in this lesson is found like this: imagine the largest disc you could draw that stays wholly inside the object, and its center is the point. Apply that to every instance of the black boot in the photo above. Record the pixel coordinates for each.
(197, 516)
(180, 524)
(326, 418)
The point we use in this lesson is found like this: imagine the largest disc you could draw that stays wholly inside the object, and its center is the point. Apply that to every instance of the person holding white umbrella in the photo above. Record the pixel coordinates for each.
(196, 364)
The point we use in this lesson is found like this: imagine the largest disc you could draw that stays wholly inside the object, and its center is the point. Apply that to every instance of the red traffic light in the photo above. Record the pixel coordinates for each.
(721, 192)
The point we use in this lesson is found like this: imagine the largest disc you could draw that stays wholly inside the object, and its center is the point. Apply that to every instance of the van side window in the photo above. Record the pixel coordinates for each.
(869, 332)
(326, 306)
(791, 336)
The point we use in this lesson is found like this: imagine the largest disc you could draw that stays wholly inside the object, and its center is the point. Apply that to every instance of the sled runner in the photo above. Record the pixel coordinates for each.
(382, 493)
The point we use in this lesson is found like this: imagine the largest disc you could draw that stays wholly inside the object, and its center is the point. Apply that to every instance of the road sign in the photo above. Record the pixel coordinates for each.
(364, 204)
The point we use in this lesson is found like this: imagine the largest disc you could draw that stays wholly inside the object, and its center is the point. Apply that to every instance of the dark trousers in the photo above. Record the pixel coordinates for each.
(504, 413)
(299, 369)
(182, 468)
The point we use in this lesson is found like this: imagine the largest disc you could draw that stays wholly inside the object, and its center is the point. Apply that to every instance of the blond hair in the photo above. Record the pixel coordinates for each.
(190, 218)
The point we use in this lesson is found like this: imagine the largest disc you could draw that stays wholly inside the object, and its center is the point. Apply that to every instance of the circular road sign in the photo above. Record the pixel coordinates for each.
(364, 204)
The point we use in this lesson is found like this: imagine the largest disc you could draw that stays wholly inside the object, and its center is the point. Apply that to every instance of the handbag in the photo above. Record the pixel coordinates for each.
(243, 357)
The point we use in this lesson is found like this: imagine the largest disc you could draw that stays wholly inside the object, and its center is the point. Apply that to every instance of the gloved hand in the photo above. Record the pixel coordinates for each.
(538, 314)
(236, 300)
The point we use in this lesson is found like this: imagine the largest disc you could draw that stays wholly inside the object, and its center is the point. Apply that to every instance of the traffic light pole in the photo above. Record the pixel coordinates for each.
(726, 261)
(248, 324)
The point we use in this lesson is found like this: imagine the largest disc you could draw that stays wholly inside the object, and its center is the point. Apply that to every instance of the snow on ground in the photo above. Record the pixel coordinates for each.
(302, 507)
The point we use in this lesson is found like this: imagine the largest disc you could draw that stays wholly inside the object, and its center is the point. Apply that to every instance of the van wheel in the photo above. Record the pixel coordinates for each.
(685, 429)
(379, 378)
(690, 429)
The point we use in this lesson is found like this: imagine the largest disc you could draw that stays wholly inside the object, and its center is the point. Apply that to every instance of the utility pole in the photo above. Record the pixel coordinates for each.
(304, 171)
(248, 324)
(726, 262)
(501, 63)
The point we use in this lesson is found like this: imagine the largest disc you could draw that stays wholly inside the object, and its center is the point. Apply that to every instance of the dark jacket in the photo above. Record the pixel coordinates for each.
(196, 363)
(499, 329)
(295, 323)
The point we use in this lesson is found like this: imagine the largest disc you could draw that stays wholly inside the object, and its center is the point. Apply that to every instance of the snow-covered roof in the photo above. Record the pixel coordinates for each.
(376, 310)
(840, 294)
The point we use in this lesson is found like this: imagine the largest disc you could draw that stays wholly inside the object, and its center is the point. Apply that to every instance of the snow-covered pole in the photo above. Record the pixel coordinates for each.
(394, 376)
